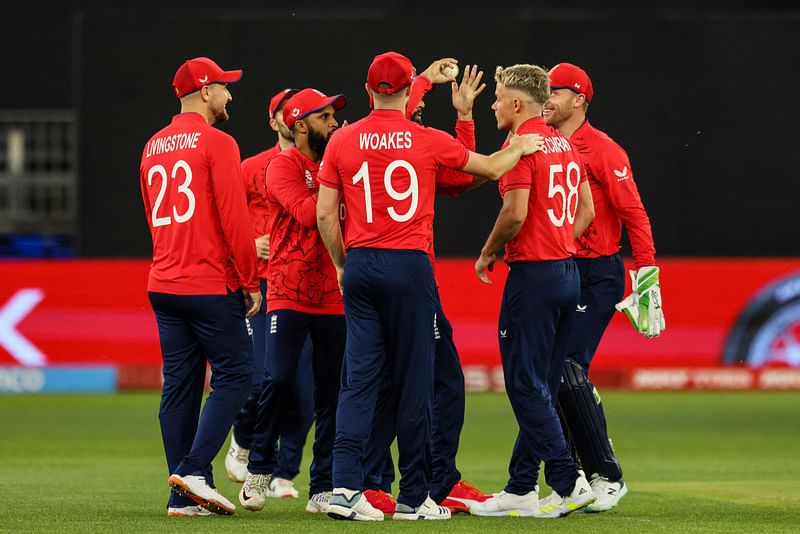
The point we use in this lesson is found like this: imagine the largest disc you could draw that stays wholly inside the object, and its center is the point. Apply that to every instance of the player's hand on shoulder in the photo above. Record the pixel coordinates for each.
(529, 143)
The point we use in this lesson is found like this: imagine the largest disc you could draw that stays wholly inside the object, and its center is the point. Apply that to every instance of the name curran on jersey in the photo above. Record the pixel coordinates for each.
(162, 145)
(556, 144)
(384, 140)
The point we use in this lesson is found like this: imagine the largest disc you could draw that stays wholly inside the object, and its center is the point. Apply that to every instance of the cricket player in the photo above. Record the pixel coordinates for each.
(290, 453)
(303, 299)
(447, 487)
(384, 167)
(203, 255)
(602, 275)
(543, 196)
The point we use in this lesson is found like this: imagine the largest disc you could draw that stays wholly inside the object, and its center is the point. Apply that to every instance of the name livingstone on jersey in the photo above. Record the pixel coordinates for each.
(170, 143)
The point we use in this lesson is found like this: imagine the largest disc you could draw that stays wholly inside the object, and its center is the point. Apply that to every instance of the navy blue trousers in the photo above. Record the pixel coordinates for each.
(301, 413)
(447, 422)
(536, 316)
(287, 331)
(602, 286)
(390, 304)
(193, 330)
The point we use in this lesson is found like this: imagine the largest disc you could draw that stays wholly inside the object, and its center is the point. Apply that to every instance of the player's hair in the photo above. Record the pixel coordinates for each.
(530, 79)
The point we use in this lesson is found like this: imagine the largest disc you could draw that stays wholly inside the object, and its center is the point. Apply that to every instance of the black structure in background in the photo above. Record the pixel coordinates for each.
(702, 98)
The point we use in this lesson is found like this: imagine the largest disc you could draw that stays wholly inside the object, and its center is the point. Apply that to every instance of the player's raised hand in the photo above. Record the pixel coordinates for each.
(529, 143)
(252, 302)
(441, 71)
(485, 262)
(464, 94)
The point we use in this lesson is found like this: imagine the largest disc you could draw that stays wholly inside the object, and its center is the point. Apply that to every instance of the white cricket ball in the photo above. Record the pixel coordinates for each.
(450, 70)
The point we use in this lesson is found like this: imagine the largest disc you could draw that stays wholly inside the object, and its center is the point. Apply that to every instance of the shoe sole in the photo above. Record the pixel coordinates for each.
(505, 513)
(348, 514)
(181, 488)
(593, 509)
(418, 517)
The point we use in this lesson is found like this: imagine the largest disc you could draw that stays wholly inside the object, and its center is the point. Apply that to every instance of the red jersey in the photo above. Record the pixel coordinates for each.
(195, 203)
(386, 167)
(254, 170)
(301, 275)
(616, 199)
(553, 176)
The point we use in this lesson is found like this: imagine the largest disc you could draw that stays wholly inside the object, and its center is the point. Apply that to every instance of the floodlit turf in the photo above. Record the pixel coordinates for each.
(694, 462)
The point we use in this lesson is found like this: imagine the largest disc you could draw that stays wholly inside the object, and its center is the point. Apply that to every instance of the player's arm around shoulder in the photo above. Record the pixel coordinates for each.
(502, 161)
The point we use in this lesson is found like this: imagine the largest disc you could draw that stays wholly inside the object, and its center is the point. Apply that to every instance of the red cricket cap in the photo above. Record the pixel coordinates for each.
(200, 71)
(392, 69)
(276, 101)
(572, 77)
(309, 101)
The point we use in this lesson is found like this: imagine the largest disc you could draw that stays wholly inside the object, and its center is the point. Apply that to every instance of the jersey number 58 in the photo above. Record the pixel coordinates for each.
(567, 208)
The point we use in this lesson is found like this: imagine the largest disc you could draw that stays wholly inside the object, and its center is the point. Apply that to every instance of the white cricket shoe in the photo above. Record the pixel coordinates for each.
(354, 508)
(254, 491)
(318, 503)
(282, 488)
(427, 510)
(197, 489)
(554, 505)
(608, 493)
(187, 511)
(508, 504)
(236, 461)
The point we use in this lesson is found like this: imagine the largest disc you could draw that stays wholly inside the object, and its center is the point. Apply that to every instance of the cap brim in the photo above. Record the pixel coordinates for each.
(337, 101)
(230, 76)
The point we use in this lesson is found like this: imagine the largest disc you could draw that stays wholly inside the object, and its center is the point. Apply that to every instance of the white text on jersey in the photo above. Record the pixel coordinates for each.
(384, 141)
(556, 144)
(181, 141)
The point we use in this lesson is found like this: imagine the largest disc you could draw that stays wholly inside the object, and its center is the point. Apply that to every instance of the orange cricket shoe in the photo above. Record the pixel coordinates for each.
(462, 496)
(381, 500)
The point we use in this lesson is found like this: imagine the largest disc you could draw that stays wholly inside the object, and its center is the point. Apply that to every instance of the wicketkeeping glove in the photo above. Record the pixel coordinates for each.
(643, 305)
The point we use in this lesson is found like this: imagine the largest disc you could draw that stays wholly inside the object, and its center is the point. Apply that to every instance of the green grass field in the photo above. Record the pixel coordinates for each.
(694, 462)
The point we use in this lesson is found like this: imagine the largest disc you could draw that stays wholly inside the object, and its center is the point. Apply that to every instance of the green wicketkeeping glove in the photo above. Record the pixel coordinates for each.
(643, 305)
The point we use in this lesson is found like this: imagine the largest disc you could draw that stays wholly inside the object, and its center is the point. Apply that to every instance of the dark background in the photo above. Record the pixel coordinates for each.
(701, 95)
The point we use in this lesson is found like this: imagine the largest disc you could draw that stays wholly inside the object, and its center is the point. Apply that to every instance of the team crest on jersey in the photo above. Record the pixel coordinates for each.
(623, 174)
(309, 179)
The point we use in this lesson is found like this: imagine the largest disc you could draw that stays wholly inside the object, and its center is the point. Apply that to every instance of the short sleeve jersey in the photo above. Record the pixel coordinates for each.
(254, 170)
(301, 275)
(194, 199)
(386, 166)
(616, 199)
(553, 176)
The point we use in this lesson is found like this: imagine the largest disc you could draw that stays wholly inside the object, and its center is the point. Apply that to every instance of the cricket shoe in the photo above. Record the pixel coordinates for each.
(187, 511)
(236, 461)
(427, 510)
(318, 503)
(381, 500)
(197, 489)
(554, 505)
(282, 488)
(508, 504)
(255, 489)
(356, 507)
(462, 496)
(608, 493)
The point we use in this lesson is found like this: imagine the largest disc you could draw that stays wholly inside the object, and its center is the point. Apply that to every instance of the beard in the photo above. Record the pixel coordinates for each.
(317, 141)
(416, 116)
